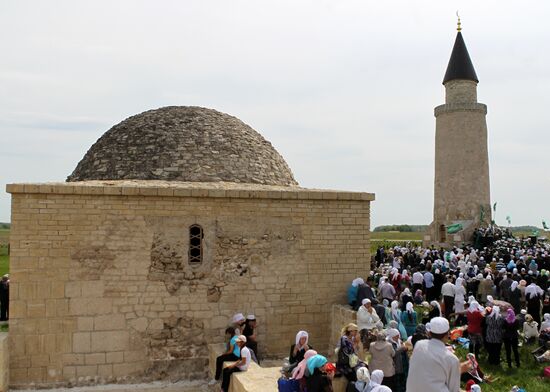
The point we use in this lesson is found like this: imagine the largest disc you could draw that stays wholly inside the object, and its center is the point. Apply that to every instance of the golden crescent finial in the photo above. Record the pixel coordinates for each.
(458, 27)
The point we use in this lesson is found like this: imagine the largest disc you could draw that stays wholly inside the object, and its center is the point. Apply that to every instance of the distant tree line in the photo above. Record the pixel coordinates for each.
(4, 225)
(422, 228)
(402, 228)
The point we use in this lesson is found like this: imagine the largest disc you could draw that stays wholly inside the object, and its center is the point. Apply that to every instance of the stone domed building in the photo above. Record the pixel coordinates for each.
(181, 143)
(174, 220)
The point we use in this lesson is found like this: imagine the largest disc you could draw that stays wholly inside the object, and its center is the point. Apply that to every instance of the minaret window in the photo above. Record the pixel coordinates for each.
(195, 244)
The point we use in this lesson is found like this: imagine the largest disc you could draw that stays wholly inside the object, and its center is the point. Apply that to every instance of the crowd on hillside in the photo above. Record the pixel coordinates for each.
(408, 311)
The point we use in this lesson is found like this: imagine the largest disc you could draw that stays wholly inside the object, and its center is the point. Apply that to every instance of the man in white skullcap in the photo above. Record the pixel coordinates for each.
(433, 367)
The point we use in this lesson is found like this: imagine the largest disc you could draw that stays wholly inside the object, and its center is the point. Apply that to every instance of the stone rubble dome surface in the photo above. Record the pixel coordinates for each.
(184, 143)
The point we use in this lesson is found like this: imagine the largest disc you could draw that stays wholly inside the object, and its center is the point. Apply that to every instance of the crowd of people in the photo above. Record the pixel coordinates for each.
(412, 306)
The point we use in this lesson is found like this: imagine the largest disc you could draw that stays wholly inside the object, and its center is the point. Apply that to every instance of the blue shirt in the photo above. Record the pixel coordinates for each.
(429, 280)
(236, 349)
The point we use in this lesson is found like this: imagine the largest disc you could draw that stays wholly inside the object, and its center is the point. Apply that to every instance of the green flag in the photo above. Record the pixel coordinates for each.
(495, 207)
(451, 229)
(535, 233)
(544, 225)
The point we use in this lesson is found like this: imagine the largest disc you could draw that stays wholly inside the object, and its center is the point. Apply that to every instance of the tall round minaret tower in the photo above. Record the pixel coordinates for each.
(461, 186)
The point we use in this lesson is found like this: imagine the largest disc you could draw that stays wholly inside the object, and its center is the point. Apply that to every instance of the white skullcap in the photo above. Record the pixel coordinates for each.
(241, 338)
(365, 301)
(251, 317)
(523, 311)
(475, 388)
(439, 325)
(238, 317)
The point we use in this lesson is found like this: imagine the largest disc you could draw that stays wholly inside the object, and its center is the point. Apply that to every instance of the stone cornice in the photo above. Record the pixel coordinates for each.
(460, 107)
(185, 189)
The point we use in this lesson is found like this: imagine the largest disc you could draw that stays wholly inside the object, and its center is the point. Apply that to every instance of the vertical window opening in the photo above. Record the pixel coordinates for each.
(443, 233)
(195, 244)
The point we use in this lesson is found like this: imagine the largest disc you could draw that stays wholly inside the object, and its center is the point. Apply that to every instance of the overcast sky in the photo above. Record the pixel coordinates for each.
(344, 90)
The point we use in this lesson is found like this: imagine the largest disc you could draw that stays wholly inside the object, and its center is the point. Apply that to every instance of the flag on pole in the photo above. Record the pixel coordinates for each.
(508, 219)
(495, 207)
(544, 225)
(482, 214)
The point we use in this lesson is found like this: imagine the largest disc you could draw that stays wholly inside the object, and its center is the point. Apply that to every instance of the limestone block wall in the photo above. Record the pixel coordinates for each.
(102, 291)
(4, 362)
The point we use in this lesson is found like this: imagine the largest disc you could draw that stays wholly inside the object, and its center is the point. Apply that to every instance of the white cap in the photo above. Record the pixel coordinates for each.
(439, 325)
(251, 317)
(365, 301)
(241, 338)
(238, 317)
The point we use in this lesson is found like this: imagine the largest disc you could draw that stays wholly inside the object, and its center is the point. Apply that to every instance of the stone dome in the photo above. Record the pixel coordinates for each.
(184, 143)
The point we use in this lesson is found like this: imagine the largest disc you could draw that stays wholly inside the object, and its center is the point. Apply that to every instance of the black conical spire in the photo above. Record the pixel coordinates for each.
(460, 66)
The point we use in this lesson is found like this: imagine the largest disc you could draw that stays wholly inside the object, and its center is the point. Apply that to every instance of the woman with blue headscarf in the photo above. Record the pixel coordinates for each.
(318, 380)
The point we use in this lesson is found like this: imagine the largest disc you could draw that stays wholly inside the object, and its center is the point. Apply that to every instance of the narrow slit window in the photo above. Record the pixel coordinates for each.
(195, 244)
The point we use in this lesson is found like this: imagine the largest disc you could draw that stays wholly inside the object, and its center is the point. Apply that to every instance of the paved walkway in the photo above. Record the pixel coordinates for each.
(184, 386)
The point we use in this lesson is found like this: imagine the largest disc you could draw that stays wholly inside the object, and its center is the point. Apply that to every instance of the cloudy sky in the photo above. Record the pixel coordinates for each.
(345, 90)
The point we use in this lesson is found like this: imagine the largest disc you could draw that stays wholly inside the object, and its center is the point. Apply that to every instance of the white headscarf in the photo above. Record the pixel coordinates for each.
(392, 332)
(238, 317)
(496, 311)
(357, 282)
(394, 273)
(458, 282)
(363, 375)
(474, 306)
(376, 377)
(435, 304)
(300, 335)
(514, 285)
(407, 292)
(533, 290)
(546, 323)
(409, 307)
(394, 306)
(490, 298)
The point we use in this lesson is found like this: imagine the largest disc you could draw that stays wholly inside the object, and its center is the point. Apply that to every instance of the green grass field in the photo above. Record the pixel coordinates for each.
(528, 376)
(4, 258)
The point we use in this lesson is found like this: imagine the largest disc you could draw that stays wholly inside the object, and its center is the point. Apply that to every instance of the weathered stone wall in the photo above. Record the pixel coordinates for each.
(101, 290)
(461, 181)
(4, 362)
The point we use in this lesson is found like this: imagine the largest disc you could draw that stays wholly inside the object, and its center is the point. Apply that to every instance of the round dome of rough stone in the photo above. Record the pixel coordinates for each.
(181, 143)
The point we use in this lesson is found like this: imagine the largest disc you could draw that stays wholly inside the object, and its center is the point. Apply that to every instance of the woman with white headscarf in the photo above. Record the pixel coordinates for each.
(394, 314)
(474, 316)
(533, 296)
(406, 297)
(494, 326)
(515, 297)
(376, 378)
(299, 348)
(352, 291)
(460, 292)
(400, 360)
(408, 319)
(546, 323)
(435, 310)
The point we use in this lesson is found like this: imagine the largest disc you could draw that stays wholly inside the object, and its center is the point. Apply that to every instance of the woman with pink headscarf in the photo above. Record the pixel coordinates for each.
(510, 337)
(299, 371)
